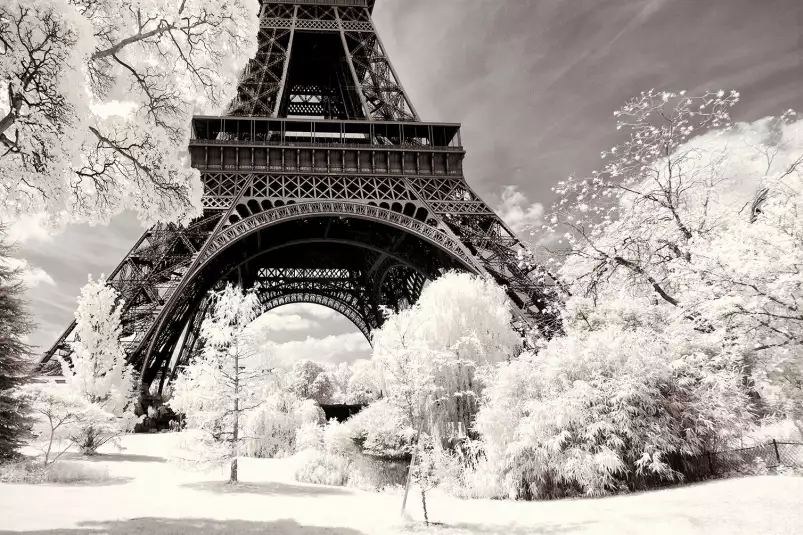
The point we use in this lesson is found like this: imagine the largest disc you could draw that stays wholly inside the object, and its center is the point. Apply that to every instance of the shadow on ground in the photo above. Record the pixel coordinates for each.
(114, 457)
(108, 482)
(485, 529)
(191, 526)
(268, 489)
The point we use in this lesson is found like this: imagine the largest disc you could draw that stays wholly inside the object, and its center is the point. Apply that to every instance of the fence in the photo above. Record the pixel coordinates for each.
(771, 455)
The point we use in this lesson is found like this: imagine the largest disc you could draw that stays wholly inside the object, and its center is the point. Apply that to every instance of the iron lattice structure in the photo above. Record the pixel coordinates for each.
(322, 185)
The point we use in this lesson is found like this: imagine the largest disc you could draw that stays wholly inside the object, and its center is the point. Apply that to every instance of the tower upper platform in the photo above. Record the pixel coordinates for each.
(344, 3)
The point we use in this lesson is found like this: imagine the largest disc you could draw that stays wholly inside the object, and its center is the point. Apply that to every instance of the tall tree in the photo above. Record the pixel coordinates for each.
(15, 323)
(682, 259)
(309, 380)
(98, 371)
(702, 215)
(438, 349)
(96, 98)
(225, 383)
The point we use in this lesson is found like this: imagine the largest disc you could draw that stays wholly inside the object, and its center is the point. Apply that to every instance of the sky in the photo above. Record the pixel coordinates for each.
(534, 83)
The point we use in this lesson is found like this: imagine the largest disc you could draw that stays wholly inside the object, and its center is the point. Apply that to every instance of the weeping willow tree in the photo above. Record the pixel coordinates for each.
(433, 353)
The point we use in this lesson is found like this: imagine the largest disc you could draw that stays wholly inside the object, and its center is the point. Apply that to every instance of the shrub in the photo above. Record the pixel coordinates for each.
(466, 473)
(309, 437)
(275, 425)
(381, 430)
(59, 472)
(599, 411)
(337, 439)
(69, 472)
(275, 434)
(321, 468)
(375, 474)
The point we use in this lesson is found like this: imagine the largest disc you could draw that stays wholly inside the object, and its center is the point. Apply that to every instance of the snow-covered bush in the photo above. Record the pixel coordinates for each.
(337, 439)
(64, 419)
(98, 372)
(611, 403)
(322, 468)
(271, 429)
(382, 430)
(465, 472)
(61, 472)
(331, 456)
(309, 437)
(323, 456)
(310, 412)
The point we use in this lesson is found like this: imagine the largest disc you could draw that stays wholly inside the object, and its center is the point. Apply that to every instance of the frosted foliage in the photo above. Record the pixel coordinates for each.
(223, 386)
(310, 380)
(681, 260)
(364, 385)
(431, 356)
(64, 416)
(602, 406)
(382, 429)
(339, 377)
(309, 437)
(709, 225)
(98, 372)
(96, 98)
(270, 430)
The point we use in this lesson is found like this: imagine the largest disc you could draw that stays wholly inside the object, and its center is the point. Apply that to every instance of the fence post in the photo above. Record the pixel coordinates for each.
(777, 455)
(710, 463)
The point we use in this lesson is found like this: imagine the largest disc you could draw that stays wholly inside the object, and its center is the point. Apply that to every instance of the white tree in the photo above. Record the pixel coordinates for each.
(309, 380)
(434, 353)
(96, 98)
(364, 385)
(681, 260)
(63, 415)
(433, 356)
(339, 377)
(98, 371)
(709, 225)
(224, 384)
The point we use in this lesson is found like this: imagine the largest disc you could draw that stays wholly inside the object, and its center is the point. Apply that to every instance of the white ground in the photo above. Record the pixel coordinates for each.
(155, 497)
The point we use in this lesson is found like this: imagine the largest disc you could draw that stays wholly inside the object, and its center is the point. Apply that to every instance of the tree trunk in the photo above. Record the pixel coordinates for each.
(424, 503)
(50, 441)
(412, 465)
(233, 471)
(235, 431)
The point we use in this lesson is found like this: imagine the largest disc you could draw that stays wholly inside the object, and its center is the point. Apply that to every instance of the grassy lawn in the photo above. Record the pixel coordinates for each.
(146, 493)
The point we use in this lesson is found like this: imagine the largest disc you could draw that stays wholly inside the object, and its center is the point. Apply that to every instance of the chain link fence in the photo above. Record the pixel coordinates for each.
(756, 459)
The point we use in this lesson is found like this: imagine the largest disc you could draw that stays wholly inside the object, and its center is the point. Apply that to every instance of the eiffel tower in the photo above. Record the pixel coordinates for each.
(322, 185)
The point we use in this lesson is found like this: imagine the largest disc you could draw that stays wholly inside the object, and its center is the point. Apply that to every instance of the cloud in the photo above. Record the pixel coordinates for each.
(31, 276)
(331, 349)
(307, 309)
(30, 228)
(272, 321)
(517, 211)
(35, 276)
